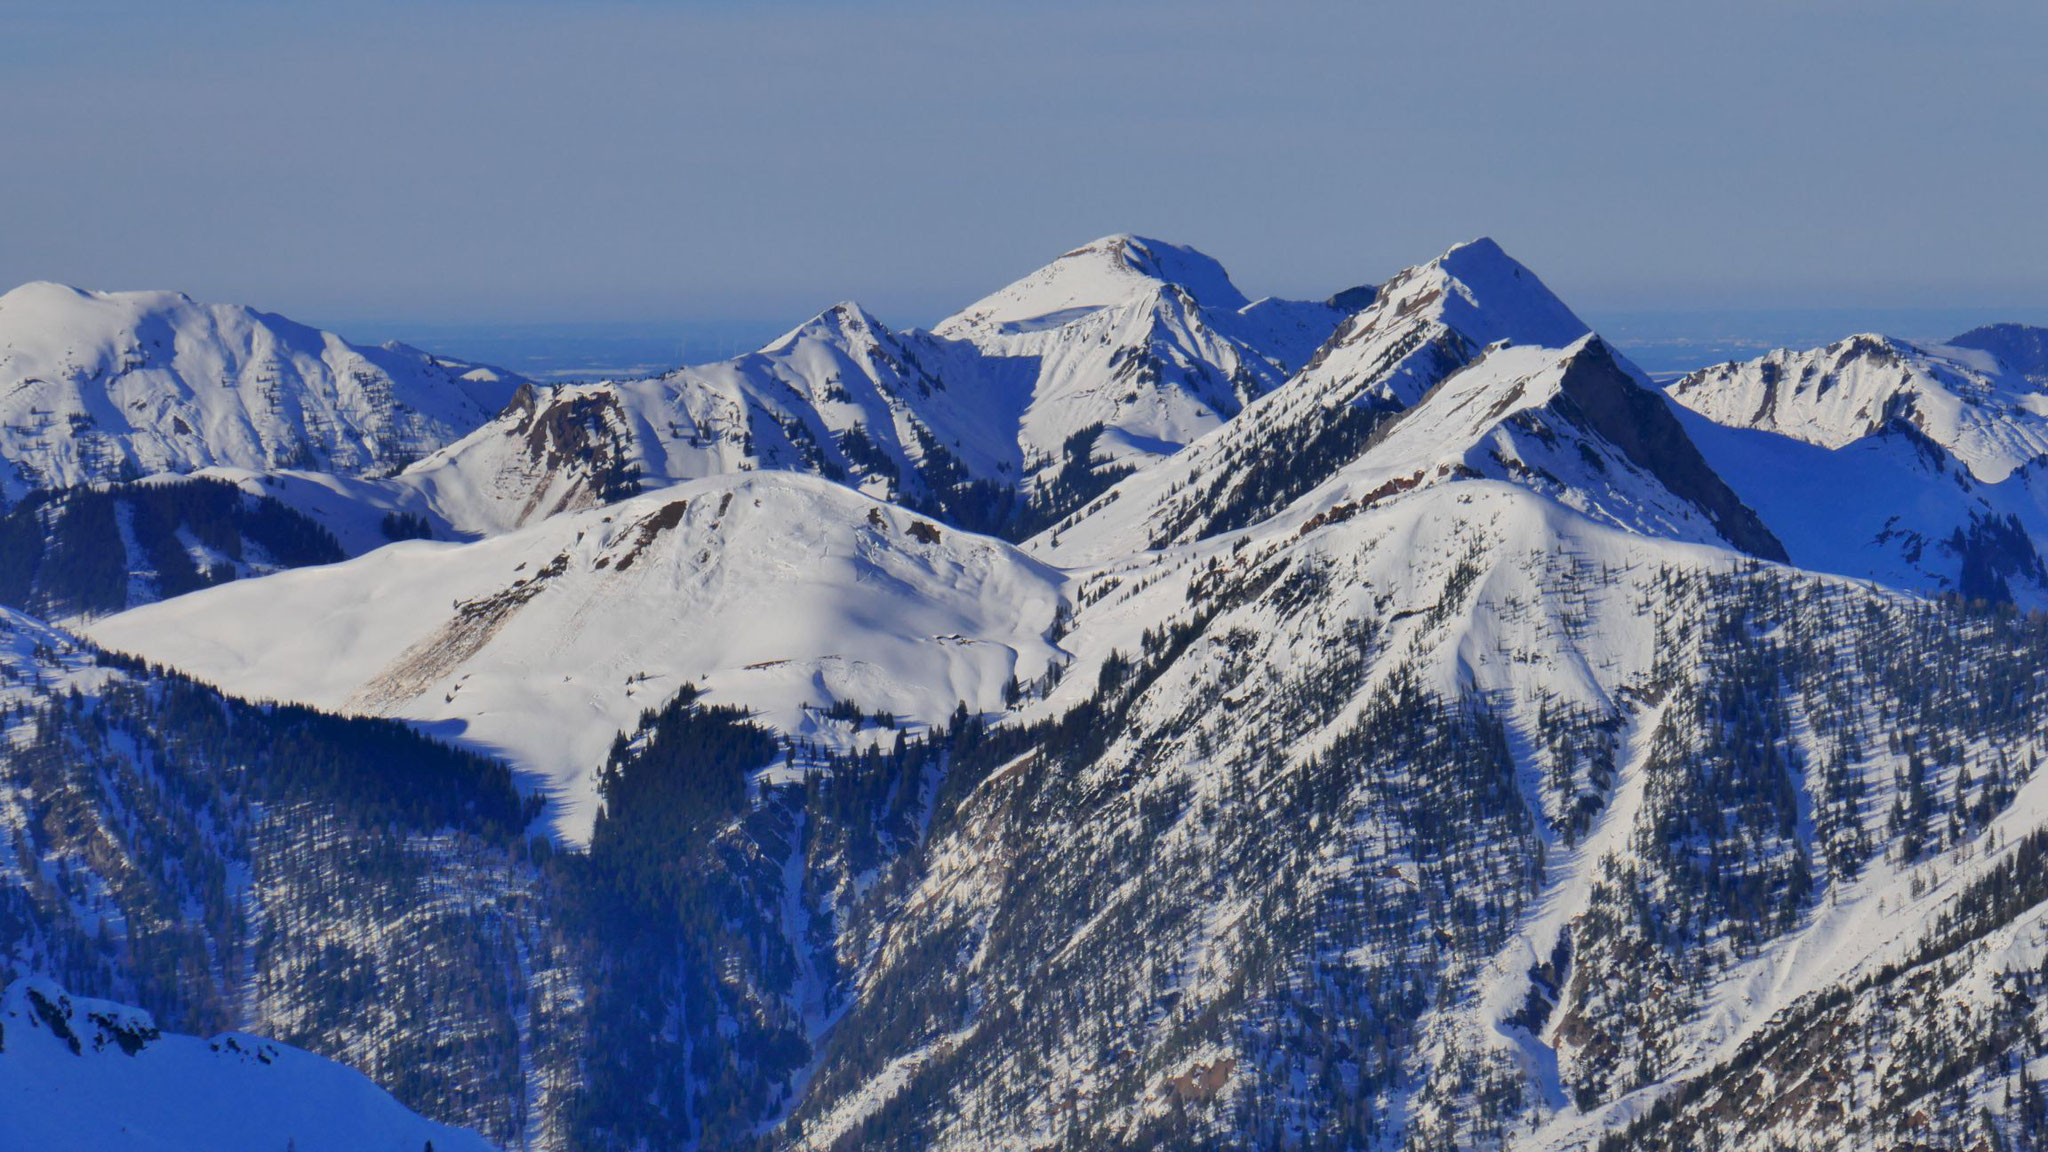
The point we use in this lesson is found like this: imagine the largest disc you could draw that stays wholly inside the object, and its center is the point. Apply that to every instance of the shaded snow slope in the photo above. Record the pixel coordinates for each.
(778, 591)
(82, 1074)
(98, 386)
(1893, 507)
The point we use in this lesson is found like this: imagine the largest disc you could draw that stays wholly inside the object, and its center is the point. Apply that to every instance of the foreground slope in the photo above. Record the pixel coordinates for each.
(98, 386)
(79, 1073)
(342, 886)
(779, 591)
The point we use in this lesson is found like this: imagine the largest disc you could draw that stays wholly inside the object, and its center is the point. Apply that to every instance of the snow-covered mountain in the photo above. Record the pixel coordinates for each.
(1962, 399)
(83, 1073)
(1460, 820)
(1465, 745)
(99, 386)
(1425, 325)
(1149, 340)
(900, 416)
(780, 591)
(1920, 467)
(1019, 407)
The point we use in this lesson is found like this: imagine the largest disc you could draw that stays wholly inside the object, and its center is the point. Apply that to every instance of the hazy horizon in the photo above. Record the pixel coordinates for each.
(456, 163)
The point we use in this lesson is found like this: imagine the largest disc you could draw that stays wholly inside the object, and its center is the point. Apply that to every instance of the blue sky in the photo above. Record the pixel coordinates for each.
(464, 162)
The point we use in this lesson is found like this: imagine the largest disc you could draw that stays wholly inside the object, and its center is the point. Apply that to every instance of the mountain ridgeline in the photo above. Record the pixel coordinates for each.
(1126, 716)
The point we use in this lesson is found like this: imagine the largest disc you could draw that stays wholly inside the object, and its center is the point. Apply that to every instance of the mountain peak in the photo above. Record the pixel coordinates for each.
(1960, 397)
(1097, 275)
(1488, 295)
(844, 319)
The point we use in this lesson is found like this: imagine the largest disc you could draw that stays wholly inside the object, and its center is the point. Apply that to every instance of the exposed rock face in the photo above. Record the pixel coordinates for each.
(1614, 406)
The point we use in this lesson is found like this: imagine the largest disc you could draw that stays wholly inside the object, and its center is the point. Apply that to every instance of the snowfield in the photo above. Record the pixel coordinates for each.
(775, 590)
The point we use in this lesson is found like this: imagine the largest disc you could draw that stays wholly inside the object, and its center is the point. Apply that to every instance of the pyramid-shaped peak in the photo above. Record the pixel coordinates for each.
(1486, 295)
(843, 321)
(1100, 274)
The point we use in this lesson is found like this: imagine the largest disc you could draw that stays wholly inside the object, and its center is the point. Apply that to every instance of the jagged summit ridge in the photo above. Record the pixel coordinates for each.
(1420, 327)
(1963, 399)
(99, 386)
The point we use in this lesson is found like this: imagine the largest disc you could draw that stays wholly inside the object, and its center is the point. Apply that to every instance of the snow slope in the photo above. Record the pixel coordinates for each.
(98, 386)
(777, 590)
(1992, 420)
(81, 1074)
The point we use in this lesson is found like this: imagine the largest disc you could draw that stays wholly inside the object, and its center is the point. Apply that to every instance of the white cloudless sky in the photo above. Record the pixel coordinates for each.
(495, 160)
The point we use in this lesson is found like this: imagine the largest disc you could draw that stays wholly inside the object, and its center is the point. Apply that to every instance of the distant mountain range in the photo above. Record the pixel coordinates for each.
(1127, 715)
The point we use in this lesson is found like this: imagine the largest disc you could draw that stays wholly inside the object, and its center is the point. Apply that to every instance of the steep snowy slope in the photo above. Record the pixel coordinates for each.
(779, 591)
(1992, 420)
(81, 1074)
(1576, 425)
(99, 386)
(1149, 340)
